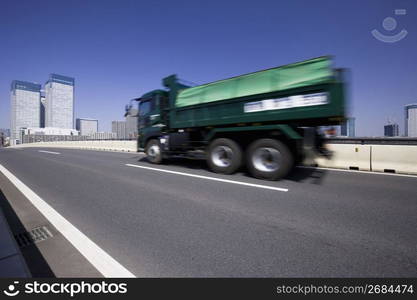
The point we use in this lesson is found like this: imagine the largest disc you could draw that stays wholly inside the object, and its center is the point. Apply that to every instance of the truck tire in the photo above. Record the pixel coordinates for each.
(269, 159)
(153, 151)
(224, 156)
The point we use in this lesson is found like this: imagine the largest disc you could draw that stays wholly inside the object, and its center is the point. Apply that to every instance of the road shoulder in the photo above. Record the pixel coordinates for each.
(53, 256)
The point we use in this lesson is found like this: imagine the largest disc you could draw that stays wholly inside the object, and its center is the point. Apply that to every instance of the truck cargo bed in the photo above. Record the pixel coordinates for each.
(308, 90)
(314, 105)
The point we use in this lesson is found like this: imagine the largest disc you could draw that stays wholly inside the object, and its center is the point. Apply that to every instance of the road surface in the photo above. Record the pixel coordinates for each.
(175, 220)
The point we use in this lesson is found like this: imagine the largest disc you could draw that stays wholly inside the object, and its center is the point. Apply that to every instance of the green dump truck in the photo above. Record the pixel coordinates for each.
(264, 120)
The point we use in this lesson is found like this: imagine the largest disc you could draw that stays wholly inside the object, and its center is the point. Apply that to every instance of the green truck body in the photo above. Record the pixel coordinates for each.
(275, 104)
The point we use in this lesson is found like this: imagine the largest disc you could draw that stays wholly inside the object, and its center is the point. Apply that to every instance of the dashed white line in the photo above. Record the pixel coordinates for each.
(212, 178)
(99, 258)
(50, 152)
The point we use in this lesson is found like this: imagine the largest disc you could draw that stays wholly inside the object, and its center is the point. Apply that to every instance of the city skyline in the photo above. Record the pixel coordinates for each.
(110, 74)
(32, 107)
(47, 109)
(129, 129)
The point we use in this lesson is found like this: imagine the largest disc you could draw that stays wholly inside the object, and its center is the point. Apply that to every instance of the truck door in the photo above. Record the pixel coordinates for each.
(149, 119)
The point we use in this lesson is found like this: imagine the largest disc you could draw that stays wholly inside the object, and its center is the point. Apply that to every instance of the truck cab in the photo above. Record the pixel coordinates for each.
(152, 116)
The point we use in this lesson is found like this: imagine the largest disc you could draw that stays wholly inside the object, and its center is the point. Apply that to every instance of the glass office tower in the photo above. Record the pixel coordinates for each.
(59, 102)
(25, 108)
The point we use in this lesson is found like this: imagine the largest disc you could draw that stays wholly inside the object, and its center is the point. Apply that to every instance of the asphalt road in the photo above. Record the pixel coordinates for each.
(158, 224)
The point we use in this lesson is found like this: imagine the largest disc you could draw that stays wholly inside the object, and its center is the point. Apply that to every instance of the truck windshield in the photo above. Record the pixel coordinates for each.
(144, 108)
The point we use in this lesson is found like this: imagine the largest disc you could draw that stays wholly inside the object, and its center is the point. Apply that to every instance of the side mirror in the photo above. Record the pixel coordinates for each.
(128, 107)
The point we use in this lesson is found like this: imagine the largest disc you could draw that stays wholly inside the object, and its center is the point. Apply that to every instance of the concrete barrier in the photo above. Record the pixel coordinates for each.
(394, 158)
(347, 156)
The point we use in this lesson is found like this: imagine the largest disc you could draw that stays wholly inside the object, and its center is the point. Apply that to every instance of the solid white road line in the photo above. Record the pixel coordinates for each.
(357, 171)
(50, 152)
(102, 261)
(212, 178)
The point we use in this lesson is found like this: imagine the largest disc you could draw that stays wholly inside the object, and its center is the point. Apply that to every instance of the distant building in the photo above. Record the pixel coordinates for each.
(59, 99)
(132, 124)
(119, 128)
(411, 120)
(49, 131)
(103, 136)
(25, 107)
(391, 130)
(5, 132)
(47, 134)
(348, 128)
(4, 136)
(87, 126)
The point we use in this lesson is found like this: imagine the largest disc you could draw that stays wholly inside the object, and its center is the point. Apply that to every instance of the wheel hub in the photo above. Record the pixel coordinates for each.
(222, 156)
(266, 159)
(154, 151)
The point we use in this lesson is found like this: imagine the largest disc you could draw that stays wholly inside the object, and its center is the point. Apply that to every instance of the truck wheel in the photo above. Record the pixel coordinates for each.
(153, 151)
(224, 156)
(269, 159)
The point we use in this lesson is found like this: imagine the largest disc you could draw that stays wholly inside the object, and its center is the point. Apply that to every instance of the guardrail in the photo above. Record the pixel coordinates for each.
(112, 145)
(373, 140)
(393, 155)
(37, 138)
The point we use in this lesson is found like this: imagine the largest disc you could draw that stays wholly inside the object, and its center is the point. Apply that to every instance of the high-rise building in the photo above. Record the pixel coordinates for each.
(25, 107)
(391, 130)
(119, 128)
(132, 124)
(87, 126)
(411, 120)
(59, 99)
(348, 128)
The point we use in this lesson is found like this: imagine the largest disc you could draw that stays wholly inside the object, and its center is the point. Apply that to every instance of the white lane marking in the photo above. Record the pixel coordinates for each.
(212, 178)
(357, 171)
(100, 259)
(50, 152)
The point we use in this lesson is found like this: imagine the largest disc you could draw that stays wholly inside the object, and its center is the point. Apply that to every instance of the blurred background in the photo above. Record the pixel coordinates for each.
(117, 50)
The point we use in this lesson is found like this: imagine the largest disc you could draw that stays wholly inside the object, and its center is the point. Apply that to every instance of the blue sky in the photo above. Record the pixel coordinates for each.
(118, 50)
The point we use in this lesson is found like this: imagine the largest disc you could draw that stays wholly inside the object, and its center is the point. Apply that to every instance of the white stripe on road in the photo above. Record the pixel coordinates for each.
(100, 259)
(50, 152)
(212, 178)
(357, 171)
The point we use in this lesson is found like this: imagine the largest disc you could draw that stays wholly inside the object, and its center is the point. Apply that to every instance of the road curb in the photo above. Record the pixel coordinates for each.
(12, 263)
